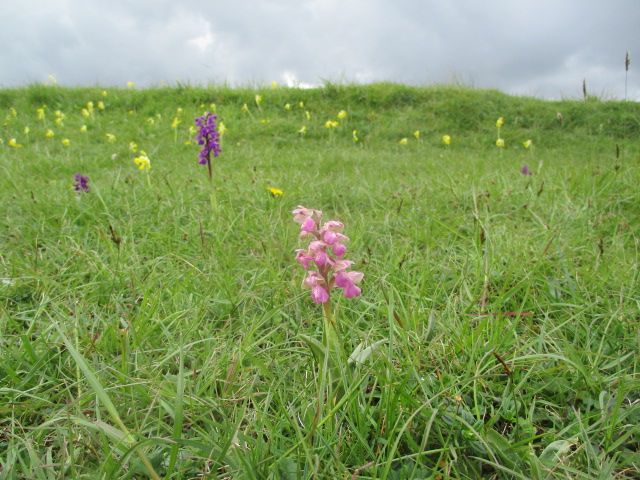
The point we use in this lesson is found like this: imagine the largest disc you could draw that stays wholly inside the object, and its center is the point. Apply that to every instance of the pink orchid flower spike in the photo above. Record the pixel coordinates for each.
(325, 251)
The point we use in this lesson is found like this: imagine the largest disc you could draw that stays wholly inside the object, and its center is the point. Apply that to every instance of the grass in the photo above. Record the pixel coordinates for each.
(144, 329)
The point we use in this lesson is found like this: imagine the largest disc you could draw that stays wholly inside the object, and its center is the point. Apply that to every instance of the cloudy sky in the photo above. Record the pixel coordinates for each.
(541, 48)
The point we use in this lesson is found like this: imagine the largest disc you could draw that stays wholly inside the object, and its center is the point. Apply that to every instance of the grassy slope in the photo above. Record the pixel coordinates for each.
(190, 315)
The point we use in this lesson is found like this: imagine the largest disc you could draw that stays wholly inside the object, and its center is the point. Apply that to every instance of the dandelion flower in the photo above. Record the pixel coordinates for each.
(446, 139)
(276, 192)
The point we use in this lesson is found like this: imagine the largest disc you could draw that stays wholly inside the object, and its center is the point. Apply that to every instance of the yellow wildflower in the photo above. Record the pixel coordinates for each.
(500, 142)
(404, 141)
(416, 134)
(446, 139)
(14, 143)
(142, 161)
(66, 142)
(303, 130)
(276, 192)
(49, 133)
(83, 129)
(355, 135)
(527, 143)
(500, 122)
(342, 114)
(110, 137)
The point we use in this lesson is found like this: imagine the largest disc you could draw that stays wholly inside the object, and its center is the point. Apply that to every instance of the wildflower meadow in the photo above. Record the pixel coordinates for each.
(343, 282)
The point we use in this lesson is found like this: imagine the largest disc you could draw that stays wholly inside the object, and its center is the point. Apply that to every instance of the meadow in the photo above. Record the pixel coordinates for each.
(153, 322)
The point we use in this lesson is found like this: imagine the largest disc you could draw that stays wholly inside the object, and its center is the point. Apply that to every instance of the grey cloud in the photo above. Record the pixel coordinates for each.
(531, 47)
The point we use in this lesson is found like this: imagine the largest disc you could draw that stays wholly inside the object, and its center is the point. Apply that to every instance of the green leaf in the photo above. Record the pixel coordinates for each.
(504, 449)
(555, 452)
(319, 351)
(361, 353)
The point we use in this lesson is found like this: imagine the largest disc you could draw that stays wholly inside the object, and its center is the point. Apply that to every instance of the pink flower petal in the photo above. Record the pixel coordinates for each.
(352, 291)
(339, 250)
(308, 225)
(319, 294)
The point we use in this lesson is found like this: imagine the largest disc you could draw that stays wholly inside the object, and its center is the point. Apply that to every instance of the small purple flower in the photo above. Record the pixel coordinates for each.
(82, 183)
(209, 137)
(525, 170)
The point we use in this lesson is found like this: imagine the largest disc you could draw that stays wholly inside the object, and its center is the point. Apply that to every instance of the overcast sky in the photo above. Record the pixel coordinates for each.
(541, 48)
